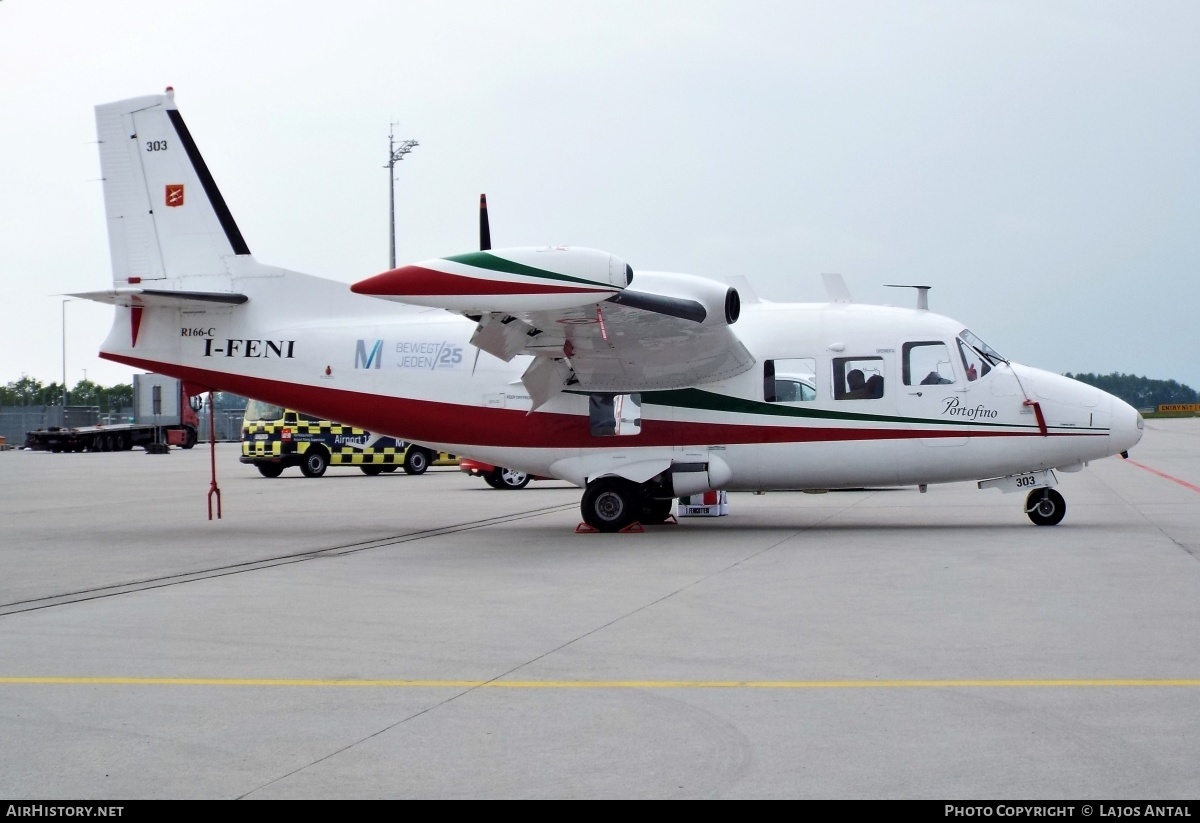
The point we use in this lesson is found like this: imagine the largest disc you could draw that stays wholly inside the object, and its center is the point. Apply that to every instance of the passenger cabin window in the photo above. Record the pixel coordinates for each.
(927, 364)
(793, 380)
(857, 378)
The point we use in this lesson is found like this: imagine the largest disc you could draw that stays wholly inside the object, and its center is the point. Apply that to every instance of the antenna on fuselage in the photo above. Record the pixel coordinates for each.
(922, 294)
(835, 287)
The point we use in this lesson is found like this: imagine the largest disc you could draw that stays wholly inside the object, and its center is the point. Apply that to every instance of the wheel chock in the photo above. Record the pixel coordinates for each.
(633, 528)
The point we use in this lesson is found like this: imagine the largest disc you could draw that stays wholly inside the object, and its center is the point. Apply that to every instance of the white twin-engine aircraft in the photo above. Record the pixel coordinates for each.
(566, 362)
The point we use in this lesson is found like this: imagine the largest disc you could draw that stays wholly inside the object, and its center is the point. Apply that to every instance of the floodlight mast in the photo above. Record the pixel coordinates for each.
(395, 155)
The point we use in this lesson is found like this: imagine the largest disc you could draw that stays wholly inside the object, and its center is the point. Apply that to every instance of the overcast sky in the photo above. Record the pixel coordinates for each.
(1037, 163)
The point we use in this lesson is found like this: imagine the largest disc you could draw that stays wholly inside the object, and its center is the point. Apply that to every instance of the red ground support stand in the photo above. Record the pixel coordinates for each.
(633, 528)
(213, 488)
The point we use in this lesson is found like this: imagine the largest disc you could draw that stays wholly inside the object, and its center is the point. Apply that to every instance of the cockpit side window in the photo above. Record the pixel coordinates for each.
(978, 357)
(975, 365)
(927, 363)
(792, 380)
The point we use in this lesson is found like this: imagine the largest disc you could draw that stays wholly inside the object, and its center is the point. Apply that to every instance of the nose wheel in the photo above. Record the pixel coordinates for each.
(1045, 507)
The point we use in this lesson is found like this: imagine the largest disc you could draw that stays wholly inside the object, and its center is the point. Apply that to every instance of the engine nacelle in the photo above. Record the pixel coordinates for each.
(683, 295)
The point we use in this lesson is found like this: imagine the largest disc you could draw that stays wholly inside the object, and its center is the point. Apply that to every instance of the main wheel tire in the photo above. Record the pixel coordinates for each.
(121, 444)
(610, 504)
(1045, 507)
(270, 469)
(316, 461)
(189, 437)
(372, 470)
(416, 460)
(656, 511)
(501, 478)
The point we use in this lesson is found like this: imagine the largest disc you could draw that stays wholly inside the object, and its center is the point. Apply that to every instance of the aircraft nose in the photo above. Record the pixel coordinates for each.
(1127, 426)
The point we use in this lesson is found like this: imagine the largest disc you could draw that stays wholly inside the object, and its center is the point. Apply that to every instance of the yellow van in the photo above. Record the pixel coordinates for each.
(274, 438)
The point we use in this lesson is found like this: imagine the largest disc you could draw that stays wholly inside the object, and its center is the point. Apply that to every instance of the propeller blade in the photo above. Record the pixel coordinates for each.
(485, 230)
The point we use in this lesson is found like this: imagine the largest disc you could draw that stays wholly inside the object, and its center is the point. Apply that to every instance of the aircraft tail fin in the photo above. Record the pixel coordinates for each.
(168, 225)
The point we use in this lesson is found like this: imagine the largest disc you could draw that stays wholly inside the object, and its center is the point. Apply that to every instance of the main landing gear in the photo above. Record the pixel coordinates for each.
(1045, 507)
(613, 503)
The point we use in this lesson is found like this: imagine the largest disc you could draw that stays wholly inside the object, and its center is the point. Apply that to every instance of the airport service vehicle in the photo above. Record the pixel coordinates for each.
(164, 415)
(497, 477)
(637, 386)
(274, 438)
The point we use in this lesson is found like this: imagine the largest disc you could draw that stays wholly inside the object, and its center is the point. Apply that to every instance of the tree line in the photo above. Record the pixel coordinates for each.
(1140, 392)
(29, 391)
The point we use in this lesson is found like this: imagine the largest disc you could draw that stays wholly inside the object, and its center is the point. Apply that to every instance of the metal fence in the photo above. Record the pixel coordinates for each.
(228, 425)
(15, 421)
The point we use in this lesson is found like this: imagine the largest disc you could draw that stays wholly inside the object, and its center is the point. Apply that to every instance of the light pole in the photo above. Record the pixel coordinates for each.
(64, 359)
(395, 155)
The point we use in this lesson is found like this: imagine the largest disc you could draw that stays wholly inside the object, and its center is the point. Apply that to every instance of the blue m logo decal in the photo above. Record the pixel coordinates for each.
(363, 360)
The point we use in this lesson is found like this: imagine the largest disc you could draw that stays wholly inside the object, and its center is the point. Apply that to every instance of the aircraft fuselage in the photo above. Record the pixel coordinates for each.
(413, 372)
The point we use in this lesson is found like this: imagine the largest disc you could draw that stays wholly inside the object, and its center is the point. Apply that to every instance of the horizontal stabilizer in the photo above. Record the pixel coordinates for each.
(161, 297)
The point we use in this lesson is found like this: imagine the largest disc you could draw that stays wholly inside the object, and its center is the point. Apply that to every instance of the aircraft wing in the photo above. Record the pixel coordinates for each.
(591, 324)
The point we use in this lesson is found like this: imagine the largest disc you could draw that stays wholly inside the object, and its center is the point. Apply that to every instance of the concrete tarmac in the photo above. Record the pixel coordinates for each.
(430, 637)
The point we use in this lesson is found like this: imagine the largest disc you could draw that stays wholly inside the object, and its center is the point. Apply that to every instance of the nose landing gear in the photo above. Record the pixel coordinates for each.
(1045, 507)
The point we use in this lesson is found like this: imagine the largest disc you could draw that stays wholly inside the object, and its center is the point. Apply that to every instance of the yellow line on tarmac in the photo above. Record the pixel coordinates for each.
(596, 684)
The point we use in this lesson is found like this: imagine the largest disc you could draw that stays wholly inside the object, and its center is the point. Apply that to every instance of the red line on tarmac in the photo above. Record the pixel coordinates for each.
(1183, 483)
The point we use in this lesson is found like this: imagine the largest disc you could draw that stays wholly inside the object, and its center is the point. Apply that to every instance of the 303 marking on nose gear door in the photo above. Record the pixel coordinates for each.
(1021, 482)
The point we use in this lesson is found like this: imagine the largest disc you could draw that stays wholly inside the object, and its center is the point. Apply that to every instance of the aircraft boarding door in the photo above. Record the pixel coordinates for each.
(930, 385)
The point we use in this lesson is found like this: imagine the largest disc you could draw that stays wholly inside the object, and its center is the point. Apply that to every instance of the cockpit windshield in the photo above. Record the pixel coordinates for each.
(978, 357)
(983, 348)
